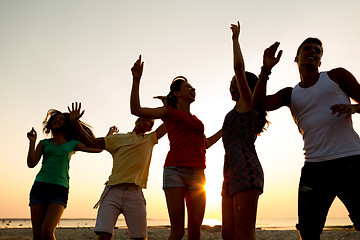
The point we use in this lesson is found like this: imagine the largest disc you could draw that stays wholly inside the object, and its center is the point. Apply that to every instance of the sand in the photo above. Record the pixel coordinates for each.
(160, 233)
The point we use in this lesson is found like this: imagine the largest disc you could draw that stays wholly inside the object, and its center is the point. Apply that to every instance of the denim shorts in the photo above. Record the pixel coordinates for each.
(183, 177)
(48, 193)
(320, 183)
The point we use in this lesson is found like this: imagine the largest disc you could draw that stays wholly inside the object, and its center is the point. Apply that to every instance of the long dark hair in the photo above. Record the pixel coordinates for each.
(252, 80)
(67, 128)
(171, 99)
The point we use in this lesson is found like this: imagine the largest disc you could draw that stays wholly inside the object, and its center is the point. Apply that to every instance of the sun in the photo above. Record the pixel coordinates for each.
(214, 179)
(211, 222)
(213, 192)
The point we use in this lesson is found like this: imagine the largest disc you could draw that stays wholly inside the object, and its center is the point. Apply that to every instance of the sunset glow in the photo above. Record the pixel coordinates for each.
(56, 52)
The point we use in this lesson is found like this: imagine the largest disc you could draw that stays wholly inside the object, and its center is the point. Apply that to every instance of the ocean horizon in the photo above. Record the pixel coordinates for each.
(262, 223)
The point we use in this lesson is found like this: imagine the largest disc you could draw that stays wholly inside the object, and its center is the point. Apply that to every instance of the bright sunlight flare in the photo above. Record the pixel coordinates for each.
(211, 222)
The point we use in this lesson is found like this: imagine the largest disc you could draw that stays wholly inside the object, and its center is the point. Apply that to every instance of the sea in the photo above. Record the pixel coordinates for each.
(262, 223)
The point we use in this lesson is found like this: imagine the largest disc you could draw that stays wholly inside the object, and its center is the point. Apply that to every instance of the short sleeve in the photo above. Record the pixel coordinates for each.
(154, 137)
(113, 142)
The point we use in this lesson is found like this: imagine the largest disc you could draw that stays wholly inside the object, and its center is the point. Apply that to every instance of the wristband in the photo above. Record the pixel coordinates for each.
(267, 72)
(262, 78)
(264, 74)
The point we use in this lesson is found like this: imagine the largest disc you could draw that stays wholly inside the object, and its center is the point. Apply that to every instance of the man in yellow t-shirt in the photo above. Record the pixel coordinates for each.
(131, 154)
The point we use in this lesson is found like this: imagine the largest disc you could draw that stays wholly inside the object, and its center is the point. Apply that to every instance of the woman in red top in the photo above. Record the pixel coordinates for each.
(185, 162)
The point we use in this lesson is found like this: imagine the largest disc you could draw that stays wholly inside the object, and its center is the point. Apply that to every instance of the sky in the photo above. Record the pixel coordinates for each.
(53, 53)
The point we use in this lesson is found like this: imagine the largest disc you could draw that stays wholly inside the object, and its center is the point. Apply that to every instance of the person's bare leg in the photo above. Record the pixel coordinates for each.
(195, 203)
(245, 209)
(53, 214)
(176, 209)
(37, 217)
(228, 220)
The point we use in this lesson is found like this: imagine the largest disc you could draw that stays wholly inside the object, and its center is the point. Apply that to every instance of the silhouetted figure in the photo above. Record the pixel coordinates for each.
(320, 105)
(185, 162)
(123, 194)
(243, 174)
(49, 193)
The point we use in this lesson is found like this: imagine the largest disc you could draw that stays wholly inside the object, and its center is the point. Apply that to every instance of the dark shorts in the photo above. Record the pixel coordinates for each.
(47, 193)
(320, 183)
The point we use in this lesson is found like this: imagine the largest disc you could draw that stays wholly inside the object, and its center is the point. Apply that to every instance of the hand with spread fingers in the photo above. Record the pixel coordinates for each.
(75, 111)
(347, 109)
(269, 58)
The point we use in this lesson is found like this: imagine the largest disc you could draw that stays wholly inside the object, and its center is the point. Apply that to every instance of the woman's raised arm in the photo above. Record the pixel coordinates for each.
(239, 68)
(135, 106)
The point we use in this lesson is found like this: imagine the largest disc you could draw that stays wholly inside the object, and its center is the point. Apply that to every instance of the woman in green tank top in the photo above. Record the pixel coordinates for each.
(49, 193)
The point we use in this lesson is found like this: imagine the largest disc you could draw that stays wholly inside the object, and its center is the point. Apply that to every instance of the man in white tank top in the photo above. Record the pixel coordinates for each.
(321, 108)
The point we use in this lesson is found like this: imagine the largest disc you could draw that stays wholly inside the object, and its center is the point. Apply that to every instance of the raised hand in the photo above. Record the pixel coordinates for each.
(32, 135)
(269, 59)
(137, 69)
(235, 30)
(112, 130)
(75, 112)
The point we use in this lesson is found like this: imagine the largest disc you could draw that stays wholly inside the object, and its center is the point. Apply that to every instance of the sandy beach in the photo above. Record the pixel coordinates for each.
(160, 233)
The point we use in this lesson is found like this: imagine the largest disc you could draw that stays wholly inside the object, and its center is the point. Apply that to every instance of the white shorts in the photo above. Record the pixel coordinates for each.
(126, 199)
